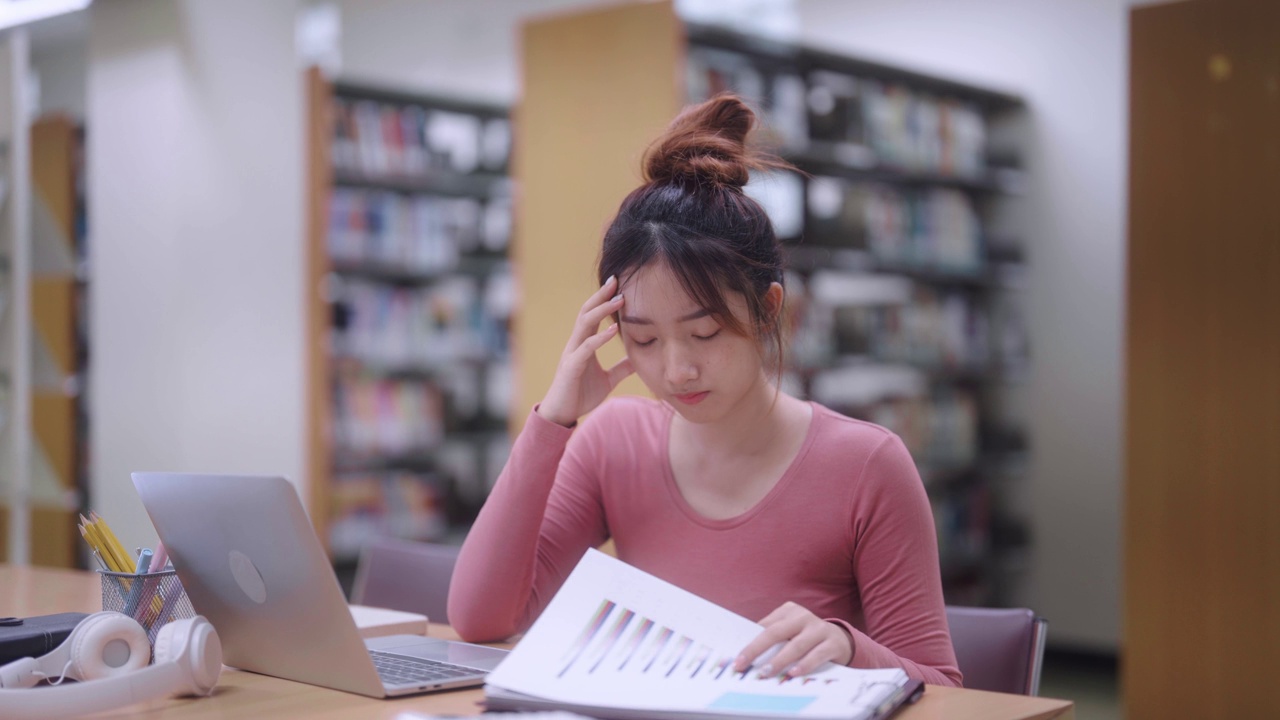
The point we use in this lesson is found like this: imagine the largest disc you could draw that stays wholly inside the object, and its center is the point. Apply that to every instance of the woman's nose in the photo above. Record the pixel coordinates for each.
(680, 366)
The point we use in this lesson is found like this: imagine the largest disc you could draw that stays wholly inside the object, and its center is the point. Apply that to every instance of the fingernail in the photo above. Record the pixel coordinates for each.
(616, 298)
(766, 671)
(609, 279)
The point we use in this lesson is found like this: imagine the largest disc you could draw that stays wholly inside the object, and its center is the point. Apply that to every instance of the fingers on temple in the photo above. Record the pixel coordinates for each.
(591, 316)
(597, 341)
(602, 293)
(620, 371)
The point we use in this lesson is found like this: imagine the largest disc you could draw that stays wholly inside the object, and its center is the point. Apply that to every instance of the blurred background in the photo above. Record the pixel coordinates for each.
(344, 241)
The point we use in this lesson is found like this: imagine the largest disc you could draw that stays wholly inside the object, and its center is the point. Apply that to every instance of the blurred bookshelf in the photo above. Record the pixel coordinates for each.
(905, 260)
(410, 221)
(58, 453)
(906, 309)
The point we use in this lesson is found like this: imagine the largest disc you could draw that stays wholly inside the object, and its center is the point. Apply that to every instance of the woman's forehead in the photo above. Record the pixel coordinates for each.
(654, 281)
(655, 292)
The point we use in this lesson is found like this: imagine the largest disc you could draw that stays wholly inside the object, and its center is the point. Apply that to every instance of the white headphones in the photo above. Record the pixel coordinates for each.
(108, 654)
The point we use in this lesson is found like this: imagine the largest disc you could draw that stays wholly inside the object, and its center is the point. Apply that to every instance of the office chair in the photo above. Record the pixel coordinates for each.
(1001, 650)
(405, 575)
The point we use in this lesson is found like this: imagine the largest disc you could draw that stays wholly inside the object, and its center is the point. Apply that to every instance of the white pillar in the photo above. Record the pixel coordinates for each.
(195, 164)
(19, 217)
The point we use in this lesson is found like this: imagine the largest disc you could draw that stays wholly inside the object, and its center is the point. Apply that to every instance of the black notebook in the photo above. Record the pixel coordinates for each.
(35, 636)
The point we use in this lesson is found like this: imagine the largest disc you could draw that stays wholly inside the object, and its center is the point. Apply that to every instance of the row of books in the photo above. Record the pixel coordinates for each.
(375, 416)
(963, 521)
(892, 319)
(365, 506)
(936, 330)
(458, 317)
(387, 139)
(936, 228)
(476, 395)
(867, 122)
(940, 429)
(473, 468)
(939, 424)
(902, 128)
(416, 232)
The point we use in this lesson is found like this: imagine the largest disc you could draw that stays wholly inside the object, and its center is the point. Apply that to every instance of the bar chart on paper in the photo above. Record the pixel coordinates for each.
(617, 637)
(617, 640)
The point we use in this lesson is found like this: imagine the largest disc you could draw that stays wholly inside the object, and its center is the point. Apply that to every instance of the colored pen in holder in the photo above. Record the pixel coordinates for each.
(153, 599)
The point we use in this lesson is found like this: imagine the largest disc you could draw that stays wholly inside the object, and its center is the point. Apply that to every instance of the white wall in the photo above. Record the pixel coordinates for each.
(59, 56)
(463, 48)
(1069, 59)
(195, 162)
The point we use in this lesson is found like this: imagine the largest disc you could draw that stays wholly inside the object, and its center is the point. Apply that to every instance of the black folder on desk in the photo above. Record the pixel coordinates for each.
(35, 636)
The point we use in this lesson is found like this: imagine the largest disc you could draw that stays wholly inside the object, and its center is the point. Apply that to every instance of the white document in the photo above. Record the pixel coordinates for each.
(617, 637)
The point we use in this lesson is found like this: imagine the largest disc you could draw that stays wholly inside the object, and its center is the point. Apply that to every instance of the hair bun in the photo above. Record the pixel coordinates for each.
(705, 146)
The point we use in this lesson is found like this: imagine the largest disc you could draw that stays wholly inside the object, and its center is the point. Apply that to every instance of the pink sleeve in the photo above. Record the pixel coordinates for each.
(543, 514)
(896, 564)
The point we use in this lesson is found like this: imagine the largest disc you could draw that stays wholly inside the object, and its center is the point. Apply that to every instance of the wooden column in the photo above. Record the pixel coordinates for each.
(319, 98)
(599, 87)
(1202, 515)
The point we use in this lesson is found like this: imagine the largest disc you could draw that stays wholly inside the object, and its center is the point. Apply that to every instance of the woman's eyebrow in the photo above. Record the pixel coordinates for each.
(695, 315)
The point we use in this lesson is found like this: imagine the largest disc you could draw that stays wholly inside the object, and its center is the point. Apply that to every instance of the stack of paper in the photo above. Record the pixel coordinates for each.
(616, 642)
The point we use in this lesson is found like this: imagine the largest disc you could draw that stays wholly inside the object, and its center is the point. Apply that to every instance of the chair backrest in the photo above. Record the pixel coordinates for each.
(998, 649)
(405, 575)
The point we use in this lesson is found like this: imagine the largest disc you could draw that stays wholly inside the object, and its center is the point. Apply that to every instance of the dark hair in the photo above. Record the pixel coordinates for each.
(692, 214)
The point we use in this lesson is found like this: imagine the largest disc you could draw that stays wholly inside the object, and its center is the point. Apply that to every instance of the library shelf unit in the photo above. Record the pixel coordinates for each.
(904, 267)
(57, 348)
(409, 299)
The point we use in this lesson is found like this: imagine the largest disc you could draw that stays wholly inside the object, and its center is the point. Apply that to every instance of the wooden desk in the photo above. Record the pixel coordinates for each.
(40, 591)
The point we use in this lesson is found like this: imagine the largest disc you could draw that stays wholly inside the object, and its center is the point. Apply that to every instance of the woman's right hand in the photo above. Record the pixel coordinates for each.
(581, 383)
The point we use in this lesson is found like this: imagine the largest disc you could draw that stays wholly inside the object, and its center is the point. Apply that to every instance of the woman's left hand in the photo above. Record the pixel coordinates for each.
(808, 642)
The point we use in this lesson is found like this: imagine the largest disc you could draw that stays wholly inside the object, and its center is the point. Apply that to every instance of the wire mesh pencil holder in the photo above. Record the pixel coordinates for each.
(153, 599)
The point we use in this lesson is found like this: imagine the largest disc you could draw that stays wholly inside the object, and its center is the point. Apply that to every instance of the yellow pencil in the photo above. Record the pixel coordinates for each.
(91, 534)
(97, 554)
(128, 561)
(104, 548)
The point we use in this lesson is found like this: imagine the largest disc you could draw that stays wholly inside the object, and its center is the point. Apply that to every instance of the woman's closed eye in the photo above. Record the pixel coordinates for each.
(646, 343)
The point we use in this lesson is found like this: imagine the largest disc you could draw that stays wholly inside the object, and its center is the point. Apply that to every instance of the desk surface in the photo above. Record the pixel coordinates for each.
(40, 591)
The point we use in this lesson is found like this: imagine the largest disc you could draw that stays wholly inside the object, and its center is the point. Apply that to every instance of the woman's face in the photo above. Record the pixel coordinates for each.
(681, 352)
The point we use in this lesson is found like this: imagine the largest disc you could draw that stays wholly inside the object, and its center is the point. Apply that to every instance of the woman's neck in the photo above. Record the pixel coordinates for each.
(762, 417)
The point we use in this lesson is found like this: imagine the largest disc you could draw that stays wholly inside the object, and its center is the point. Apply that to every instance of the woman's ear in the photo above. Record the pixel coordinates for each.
(773, 298)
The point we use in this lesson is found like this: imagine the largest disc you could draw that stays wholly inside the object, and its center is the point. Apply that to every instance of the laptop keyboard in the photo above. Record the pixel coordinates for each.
(403, 670)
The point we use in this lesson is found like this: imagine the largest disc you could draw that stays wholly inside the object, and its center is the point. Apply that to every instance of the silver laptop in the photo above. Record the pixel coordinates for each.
(251, 563)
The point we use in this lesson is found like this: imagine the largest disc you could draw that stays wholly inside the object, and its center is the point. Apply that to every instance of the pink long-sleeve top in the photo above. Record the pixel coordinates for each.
(847, 533)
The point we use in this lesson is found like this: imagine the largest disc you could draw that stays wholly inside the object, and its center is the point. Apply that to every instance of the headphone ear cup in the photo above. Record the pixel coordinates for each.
(107, 644)
(193, 645)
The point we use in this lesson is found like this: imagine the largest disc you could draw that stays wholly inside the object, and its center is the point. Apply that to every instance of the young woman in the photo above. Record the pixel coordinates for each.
(814, 524)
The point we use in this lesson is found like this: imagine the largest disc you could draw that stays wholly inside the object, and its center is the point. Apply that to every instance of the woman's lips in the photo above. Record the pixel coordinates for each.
(693, 398)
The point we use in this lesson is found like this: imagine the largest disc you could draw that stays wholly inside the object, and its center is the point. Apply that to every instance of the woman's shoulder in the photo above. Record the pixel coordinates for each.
(880, 453)
(850, 431)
